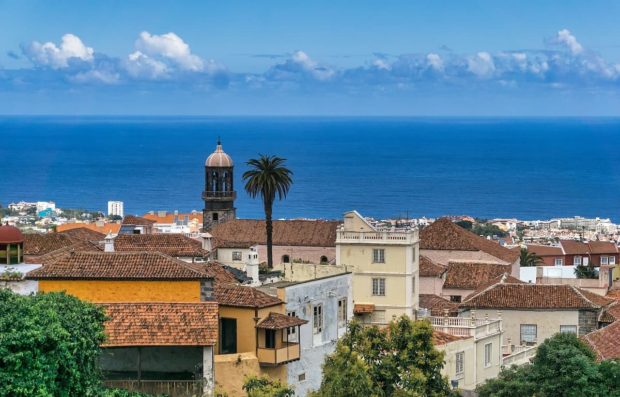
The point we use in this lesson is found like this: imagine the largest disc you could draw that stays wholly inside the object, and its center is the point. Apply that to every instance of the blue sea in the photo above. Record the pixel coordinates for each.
(383, 167)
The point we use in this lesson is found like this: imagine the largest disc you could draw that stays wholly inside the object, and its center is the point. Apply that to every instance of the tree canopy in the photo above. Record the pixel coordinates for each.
(265, 387)
(564, 366)
(527, 258)
(396, 361)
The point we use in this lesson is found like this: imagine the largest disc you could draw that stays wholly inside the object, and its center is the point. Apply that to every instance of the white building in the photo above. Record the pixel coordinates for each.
(43, 205)
(116, 208)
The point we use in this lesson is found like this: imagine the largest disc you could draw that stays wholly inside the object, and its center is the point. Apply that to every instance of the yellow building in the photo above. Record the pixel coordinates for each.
(385, 268)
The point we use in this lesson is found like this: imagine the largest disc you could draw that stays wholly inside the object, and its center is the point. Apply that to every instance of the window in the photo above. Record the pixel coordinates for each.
(270, 338)
(460, 363)
(286, 259)
(559, 262)
(342, 313)
(378, 286)
(612, 260)
(488, 352)
(215, 217)
(568, 329)
(455, 298)
(378, 255)
(317, 319)
(604, 260)
(301, 377)
(528, 333)
(291, 330)
(236, 256)
(378, 316)
(577, 261)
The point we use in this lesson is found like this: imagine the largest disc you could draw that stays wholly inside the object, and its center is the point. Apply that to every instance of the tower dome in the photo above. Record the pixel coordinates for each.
(10, 235)
(219, 158)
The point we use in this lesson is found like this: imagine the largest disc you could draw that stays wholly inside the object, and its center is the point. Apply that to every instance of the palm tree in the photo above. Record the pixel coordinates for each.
(529, 258)
(268, 177)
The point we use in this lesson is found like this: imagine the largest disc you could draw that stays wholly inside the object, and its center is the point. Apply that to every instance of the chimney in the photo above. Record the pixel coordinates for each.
(206, 241)
(108, 243)
(251, 266)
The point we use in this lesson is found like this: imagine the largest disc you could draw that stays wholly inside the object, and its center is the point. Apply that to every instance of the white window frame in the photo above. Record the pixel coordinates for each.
(342, 312)
(488, 355)
(559, 261)
(576, 261)
(529, 339)
(317, 319)
(459, 363)
(378, 286)
(237, 256)
(604, 260)
(291, 330)
(568, 328)
(378, 255)
(612, 260)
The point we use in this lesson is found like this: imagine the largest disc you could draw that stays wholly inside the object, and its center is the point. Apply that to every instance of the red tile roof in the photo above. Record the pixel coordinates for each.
(176, 245)
(161, 324)
(104, 228)
(534, 296)
(438, 305)
(471, 275)
(83, 233)
(214, 270)
(442, 338)
(544, 250)
(443, 234)
(572, 247)
(248, 232)
(602, 247)
(242, 296)
(604, 341)
(36, 244)
(428, 268)
(280, 321)
(137, 220)
(53, 256)
(116, 265)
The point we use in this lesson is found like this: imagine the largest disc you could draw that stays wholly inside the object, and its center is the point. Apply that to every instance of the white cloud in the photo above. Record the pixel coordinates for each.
(481, 64)
(565, 38)
(319, 72)
(435, 61)
(171, 47)
(57, 57)
(381, 64)
(142, 66)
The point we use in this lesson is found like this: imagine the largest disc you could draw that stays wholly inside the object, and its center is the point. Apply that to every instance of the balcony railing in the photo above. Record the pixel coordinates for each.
(517, 355)
(272, 357)
(466, 326)
(172, 388)
(379, 237)
(219, 195)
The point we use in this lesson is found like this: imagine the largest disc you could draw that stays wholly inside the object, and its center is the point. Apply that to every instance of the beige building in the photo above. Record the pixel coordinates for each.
(384, 265)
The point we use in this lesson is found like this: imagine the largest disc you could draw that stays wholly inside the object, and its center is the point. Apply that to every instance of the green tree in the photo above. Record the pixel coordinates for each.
(269, 178)
(564, 366)
(396, 361)
(265, 387)
(527, 258)
(49, 345)
(585, 271)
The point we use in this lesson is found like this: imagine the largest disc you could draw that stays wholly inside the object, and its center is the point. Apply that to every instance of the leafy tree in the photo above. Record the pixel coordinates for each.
(268, 177)
(487, 229)
(585, 271)
(467, 225)
(49, 345)
(265, 387)
(564, 366)
(399, 360)
(527, 258)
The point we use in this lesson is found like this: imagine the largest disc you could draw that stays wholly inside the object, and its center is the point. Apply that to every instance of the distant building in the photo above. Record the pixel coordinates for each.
(219, 194)
(45, 205)
(136, 225)
(116, 208)
(175, 222)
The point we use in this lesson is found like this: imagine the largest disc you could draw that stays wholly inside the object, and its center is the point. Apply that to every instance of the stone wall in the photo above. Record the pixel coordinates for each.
(306, 271)
(587, 321)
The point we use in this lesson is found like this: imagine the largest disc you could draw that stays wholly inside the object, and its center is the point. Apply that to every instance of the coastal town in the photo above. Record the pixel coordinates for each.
(201, 303)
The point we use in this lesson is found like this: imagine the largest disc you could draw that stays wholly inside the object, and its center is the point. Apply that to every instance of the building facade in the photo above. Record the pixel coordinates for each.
(219, 193)
(116, 208)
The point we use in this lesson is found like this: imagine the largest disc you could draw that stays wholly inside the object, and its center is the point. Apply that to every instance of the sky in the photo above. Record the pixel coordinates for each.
(405, 58)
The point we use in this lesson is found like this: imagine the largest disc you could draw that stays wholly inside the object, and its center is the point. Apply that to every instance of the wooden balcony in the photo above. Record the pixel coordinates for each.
(272, 357)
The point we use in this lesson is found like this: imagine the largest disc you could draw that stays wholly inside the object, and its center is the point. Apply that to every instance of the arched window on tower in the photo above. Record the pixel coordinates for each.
(214, 179)
(225, 182)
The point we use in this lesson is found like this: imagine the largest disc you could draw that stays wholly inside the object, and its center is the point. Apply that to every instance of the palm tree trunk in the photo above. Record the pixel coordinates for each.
(269, 226)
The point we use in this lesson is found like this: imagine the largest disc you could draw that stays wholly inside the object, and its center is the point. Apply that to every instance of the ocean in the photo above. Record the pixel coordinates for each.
(383, 167)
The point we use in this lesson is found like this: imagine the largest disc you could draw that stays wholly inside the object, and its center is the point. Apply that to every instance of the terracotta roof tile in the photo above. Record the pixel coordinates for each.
(84, 234)
(442, 338)
(36, 244)
(572, 247)
(544, 250)
(172, 244)
(428, 268)
(137, 220)
(602, 247)
(534, 296)
(116, 265)
(161, 324)
(103, 228)
(53, 256)
(361, 308)
(242, 296)
(170, 217)
(604, 341)
(214, 270)
(443, 234)
(279, 321)
(247, 232)
(438, 305)
(471, 275)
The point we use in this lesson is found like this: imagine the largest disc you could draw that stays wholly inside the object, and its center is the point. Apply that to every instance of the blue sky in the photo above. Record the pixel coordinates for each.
(510, 58)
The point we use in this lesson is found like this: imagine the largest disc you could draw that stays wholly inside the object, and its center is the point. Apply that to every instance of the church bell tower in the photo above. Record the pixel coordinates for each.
(219, 194)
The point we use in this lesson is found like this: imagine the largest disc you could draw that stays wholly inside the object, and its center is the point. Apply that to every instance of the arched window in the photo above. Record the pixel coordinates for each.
(214, 180)
(286, 259)
(324, 259)
(225, 182)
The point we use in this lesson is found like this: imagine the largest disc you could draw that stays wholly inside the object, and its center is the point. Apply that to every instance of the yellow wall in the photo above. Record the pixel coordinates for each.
(246, 326)
(232, 369)
(126, 291)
